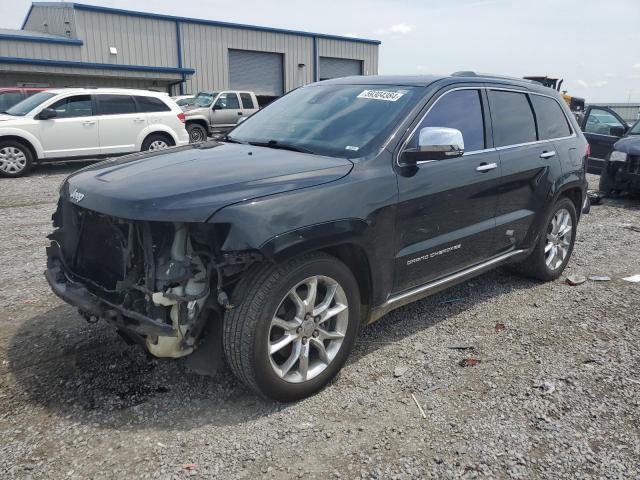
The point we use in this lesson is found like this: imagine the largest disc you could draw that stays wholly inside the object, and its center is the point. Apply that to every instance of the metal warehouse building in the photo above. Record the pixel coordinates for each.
(72, 44)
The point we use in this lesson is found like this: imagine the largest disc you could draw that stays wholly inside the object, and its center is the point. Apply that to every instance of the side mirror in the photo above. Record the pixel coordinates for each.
(216, 107)
(435, 143)
(616, 131)
(47, 113)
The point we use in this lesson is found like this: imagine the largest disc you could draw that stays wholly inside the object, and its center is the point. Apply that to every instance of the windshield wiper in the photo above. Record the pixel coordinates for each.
(281, 146)
(228, 139)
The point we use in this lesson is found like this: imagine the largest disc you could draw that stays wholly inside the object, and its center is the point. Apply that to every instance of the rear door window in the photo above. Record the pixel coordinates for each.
(151, 104)
(512, 118)
(459, 109)
(115, 104)
(247, 101)
(71, 107)
(552, 123)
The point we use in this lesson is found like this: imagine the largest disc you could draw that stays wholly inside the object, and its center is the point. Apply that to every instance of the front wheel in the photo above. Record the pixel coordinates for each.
(197, 133)
(15, 159)
(555, 245)
(293, 326)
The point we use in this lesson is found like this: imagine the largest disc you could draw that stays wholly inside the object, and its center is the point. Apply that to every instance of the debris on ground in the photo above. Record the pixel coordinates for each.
(424, 415)
(400, 371)
(547, 388)
(632, 278)
(189, 466)
(499, 327)
(468, 362)
(595, 198)
(633, 228)
(460, 347)
(599, 278)
(575, 280)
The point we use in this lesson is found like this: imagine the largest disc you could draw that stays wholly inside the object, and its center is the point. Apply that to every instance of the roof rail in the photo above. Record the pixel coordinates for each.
(470, 73)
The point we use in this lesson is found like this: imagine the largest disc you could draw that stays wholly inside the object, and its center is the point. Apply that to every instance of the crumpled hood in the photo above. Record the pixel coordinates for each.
(188, 184)
(629, 145)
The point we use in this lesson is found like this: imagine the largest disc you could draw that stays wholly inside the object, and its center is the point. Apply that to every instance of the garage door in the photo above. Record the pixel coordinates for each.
(339, 67)
(259, 72)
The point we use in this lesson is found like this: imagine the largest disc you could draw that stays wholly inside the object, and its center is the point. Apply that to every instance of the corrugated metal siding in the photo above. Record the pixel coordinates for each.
(368, 53)
(22, 49)
(206, 48)
(58, 20)
(11, 79)
(139, 41)
(86, 73)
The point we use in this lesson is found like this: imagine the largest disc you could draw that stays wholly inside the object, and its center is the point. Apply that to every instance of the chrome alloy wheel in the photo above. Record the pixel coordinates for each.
(559, 234)
(12, 160)
(158, 145)
(308, 329)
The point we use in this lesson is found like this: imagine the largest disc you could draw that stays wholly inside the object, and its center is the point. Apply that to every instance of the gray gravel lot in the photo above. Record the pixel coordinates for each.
(556, 392)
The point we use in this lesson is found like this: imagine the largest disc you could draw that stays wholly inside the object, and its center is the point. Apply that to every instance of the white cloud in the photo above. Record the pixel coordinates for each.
(610, 75)
(600, 83)
(350, 35)
(422, 68)
(582, 83)
(637, 66)
(402, 28)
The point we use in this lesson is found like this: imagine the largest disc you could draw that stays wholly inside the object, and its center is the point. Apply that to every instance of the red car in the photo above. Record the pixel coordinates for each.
(9, 96)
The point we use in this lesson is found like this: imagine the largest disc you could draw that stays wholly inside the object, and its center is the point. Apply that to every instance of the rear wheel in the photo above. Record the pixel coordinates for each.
(555, 245)
(15, 159)
(155, 142)
(197, 133)
(293, 327)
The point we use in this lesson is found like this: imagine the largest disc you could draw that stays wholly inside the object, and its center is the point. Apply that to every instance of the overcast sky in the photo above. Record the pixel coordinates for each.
(593, 44)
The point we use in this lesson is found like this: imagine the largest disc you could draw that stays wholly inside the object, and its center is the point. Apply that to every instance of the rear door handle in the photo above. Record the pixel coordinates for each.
(89, 122)
(485, 167)
(549, 154)
(138, 120)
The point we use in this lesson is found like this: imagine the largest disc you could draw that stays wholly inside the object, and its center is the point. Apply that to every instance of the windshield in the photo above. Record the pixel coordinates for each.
(28, 104)
(204, 99)
(335, 120)
(635, 130)
(185, 101)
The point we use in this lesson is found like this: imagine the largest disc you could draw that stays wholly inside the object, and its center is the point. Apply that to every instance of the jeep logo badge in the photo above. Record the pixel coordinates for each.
(76, 196)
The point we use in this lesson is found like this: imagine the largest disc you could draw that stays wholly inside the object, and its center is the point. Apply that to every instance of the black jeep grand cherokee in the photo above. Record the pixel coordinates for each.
(337, 203)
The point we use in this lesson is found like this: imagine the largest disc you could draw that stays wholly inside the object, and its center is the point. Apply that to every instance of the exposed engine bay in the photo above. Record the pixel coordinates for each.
(159, 283)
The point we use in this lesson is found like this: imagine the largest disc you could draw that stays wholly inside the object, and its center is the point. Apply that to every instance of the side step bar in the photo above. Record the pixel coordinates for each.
(427, 289)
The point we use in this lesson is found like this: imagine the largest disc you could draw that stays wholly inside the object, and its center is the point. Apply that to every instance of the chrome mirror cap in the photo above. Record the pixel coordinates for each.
(441, 140)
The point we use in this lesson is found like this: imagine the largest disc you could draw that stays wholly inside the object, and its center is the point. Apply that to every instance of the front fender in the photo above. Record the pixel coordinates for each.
(28, 137)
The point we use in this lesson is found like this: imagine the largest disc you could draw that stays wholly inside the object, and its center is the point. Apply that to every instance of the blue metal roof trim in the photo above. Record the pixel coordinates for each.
(32, 38)
(101, 66)
(132, 13)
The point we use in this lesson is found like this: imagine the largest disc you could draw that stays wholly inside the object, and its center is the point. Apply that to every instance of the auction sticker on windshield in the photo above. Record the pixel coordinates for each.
(382, 95)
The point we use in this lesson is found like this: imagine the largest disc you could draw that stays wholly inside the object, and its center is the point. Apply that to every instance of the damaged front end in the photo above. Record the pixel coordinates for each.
(159, 283)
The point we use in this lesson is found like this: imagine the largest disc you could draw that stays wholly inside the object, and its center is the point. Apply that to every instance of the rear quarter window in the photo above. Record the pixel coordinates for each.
(511, 117)
(552, 123)
(247, 101)
(151, 104)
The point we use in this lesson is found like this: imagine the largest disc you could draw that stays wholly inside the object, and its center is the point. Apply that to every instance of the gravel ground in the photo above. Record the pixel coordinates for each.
(556, 392)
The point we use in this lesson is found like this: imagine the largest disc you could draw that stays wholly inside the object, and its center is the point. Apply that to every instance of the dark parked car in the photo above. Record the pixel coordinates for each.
(334, 205)
(602, 128)
(10, 96)
(621, 170)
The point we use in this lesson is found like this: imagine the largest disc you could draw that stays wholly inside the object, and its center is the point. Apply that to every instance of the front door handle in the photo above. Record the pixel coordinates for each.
(485, 167)
(549, 154)
(240, 113)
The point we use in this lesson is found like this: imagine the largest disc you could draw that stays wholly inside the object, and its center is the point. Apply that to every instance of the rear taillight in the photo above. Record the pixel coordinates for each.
(181, 117)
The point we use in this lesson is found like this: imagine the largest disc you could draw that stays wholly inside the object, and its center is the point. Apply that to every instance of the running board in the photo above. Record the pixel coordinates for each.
(427, 289)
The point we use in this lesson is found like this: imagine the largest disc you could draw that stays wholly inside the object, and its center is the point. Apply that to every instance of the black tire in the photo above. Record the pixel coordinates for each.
(197, 133)
(154, 139)
(607, 181)
(247, 327)
(535, 264)
(16, 160)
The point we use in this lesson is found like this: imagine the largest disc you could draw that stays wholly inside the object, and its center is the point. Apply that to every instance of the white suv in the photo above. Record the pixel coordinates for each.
(76, 123)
